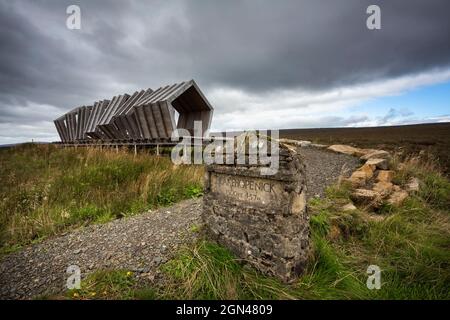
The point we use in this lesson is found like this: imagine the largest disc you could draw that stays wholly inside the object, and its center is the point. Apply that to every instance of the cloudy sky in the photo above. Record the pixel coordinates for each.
(262, 64)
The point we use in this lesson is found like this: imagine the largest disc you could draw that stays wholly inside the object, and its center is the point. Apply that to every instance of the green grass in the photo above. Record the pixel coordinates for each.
(409, 243)
(105, 285)
(46, 190)
(209, 271)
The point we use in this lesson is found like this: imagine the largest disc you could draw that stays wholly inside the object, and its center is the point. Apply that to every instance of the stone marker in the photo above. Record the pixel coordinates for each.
(261, 218)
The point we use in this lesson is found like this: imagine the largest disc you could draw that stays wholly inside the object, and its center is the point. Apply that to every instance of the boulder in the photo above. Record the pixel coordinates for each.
(379, 163)
(385, 175)
(376, 154)
(397, 197)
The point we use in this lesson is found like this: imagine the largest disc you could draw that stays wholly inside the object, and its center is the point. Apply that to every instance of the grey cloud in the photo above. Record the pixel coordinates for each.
(395, 114)
(253, 46)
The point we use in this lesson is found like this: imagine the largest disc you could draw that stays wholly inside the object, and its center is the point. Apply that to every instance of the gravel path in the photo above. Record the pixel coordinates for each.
(323, 168)
(139, 243)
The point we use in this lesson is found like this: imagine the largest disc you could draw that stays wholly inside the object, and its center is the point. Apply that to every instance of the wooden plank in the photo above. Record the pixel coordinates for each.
(108, 110)
(141, 117)
(103, 107)
(69, 126)
(132, 119)
(132, 126)
(157, 116)
(130, 102)
(93, 116)
(167, 118)
(62, 127)
(146, 96)
(88, 116)
(162, 93)
(113, 109)
(176, 88)
(122, 125)
(154, 94)
(60, 130)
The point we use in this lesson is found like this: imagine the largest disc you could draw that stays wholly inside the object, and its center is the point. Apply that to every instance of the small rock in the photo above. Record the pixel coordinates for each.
(376, 154)
(379, 163)
(334, 233)
(78, 251)
(368, 169)
(365, 196)
(358, 178)
(349, 207)
(383, 188)
(375, 217)
(385, 175)
(289, 141)
(397, 198)
(317, 145)
(304, 143)
(413, 185)
(157, 260)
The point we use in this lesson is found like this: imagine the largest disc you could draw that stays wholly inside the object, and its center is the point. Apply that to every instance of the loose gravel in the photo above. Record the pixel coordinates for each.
(140, 243)
(323, 168)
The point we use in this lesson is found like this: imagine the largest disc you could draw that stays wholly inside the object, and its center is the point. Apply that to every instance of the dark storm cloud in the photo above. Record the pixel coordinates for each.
(255, 46)
(316, 44)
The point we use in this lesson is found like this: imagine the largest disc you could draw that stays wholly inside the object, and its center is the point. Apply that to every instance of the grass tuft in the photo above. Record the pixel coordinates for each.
(105, 285)
(46, 190)
(409, 243)
(209, 271)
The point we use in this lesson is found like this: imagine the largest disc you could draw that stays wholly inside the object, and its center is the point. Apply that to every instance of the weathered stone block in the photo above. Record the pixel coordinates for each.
(379, 163)
(385, 175)
(261, 218)
(383, 188)
(364, 196)
(376, 154)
